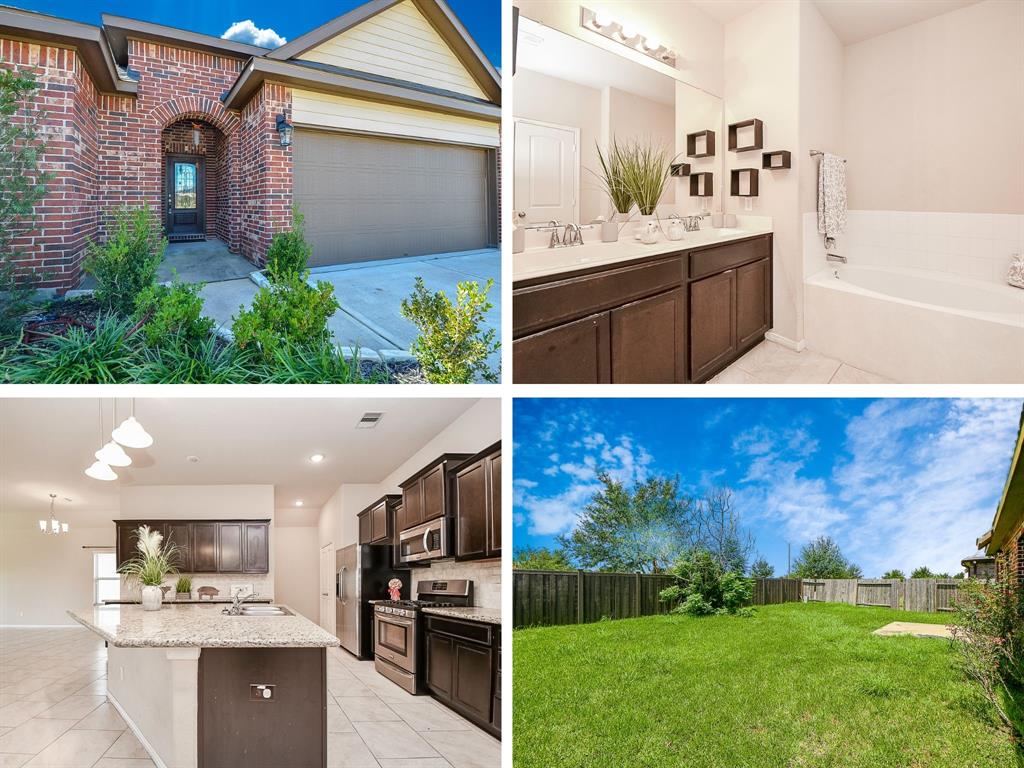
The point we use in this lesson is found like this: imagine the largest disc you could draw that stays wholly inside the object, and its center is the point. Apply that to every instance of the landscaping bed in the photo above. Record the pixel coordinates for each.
(793, 685)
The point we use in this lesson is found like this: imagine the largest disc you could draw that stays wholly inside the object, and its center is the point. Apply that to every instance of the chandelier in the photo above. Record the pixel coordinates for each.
(53, 527)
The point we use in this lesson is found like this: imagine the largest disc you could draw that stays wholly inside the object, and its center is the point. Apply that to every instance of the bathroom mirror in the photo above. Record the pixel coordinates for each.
(571, 96)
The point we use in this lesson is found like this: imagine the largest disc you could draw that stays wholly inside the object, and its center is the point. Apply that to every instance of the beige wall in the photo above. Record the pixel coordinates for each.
(933, 114)
(630, 117)
(296, 569)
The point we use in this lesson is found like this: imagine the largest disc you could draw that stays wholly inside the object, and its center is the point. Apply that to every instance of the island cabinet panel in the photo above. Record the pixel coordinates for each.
(648, 340)
(238, 727)
(429, 494)
(478, 506)
(712, 323)
(578, 352)
(205, 545)
(230, 547)
(462, 668)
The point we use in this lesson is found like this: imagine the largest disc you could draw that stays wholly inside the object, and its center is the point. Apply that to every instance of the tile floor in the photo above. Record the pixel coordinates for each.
(54, 713)
(771, 363)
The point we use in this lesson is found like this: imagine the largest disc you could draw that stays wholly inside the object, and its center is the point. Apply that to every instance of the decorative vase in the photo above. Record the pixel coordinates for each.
(152, 597)
(609, 232)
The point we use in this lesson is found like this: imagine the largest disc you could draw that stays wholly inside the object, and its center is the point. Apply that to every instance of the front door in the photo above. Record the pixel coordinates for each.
(185, 195)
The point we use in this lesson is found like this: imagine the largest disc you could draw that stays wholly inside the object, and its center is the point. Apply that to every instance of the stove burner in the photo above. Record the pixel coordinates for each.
(416, 604)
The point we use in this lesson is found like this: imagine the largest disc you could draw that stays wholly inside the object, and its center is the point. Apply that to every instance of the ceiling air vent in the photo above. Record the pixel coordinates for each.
(369, 420)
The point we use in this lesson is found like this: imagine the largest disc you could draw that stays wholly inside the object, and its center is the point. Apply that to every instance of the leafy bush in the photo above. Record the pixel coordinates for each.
(172, 311)
(287, 311)
(451, 347)
(289, 252)
(104, 356)
(317, 362)
(736, 592)
(182, 361)
(125, 265)
(703, 588)
(695, 605)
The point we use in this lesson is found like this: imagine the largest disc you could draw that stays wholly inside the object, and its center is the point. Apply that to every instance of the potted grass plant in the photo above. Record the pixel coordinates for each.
(183, 588)
(149, 568)
(612, 177)
(645, 170)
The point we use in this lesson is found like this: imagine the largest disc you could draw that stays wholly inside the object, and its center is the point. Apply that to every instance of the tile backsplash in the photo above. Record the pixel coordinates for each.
(485, 575)
(263, 584)
(979, 246)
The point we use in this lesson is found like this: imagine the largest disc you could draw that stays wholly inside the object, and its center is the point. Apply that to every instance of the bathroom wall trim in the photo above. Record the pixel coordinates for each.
(785, 341)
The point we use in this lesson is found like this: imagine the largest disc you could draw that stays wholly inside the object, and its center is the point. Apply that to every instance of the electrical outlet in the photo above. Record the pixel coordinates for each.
(261, 692)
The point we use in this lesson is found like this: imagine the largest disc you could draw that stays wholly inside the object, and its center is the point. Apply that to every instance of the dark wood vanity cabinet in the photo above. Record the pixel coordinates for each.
(377, 521)
(429, 494)
(673, 318)
(478, 506)
(462, 668)
(205, 546)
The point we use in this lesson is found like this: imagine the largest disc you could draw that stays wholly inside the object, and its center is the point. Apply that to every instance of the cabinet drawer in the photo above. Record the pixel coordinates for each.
(468, 631)
(719, 258)
(542, 306)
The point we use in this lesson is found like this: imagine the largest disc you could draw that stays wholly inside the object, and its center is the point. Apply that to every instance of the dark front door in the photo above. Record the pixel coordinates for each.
(185, 195)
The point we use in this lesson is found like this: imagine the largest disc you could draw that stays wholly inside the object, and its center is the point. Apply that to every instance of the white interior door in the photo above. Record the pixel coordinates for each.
(546, 176)
(327, 588)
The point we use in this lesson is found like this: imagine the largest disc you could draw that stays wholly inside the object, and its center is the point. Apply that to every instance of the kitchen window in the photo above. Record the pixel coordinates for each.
(105, 578)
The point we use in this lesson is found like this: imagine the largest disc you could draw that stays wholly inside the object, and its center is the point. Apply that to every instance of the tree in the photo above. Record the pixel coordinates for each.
(720, 533)
(924, 572)
(644, 529)
(761, 569)
(541, 559)
(895, 573)
(701, 586)
(822, 559)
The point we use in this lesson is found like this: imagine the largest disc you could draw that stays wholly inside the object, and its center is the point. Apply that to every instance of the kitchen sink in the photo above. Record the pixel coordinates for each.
(264, 610)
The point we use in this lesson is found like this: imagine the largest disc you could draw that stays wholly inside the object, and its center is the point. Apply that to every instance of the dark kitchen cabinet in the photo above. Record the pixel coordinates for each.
(463, 668)
(573, 353)
(753, 302)
(712, 323)
(377, 521)
(364, 526)
(180, 535)
(230, 556)
(473, 664)
(478, 506)
(256, 548)
(429, 493)
(496, 706)
(205, 546)
(127, 543)
(440, 664)
(648, 340)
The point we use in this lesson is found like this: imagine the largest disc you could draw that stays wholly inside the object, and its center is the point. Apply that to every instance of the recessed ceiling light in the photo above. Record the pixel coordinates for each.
(298, 503)
(316, 458)
(192, 459)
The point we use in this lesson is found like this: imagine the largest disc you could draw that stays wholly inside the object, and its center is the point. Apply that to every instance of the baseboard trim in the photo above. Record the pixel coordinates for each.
(138, 734)
(796, 346)
(41, 626)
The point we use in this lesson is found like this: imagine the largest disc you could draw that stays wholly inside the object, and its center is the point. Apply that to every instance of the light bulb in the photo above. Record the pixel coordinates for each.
(602, 19)
(65, 527)
(100, 471)
(55, 526)
(113, 455)
(627, 32)
(131, 434)
(42, 526)
(651, 44)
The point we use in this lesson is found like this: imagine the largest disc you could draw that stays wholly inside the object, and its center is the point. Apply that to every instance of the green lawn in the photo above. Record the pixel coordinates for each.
(796, 685)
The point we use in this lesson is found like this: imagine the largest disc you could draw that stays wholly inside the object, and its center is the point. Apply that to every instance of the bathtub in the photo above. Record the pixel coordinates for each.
(915, 326)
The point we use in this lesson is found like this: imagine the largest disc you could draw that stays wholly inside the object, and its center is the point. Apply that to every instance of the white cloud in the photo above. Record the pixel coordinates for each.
(247, 32)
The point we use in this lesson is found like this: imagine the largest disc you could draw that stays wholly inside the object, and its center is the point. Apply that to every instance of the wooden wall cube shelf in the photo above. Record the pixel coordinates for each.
(680, 169)
(702, 184)
(779, 159)
(709, 144)
(758, 135)
(736, 177)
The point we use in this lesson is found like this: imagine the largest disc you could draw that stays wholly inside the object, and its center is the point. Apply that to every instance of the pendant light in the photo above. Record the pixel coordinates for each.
(131, 434)
(99, 469)
(113, 454)
(53, 527)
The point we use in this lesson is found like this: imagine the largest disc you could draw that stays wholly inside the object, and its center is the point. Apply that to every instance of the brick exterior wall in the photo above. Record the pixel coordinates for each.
(1010, 558)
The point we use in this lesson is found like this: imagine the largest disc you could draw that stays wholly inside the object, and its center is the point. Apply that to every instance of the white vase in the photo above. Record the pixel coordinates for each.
(152, 597)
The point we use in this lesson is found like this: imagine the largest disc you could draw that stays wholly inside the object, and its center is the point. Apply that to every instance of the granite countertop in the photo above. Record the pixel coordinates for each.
(470, 613)
(199, 626)
(191, 601)
(544, 262)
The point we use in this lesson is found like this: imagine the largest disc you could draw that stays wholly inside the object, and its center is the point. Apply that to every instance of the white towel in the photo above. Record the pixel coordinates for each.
(831, 195)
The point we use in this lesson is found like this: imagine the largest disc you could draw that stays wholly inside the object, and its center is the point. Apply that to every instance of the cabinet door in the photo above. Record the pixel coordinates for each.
(575, 353)
(753, 302)
(204, 547)
(257, 548)
(496, 704)
(180, 535)
(230, 555)
(127, 539)
(471, 687)
(440, 664)
(649, 340)
(712, 323)
(364, 527)
(412, 501)
(432, 484)
(380, 531)
(494, 508)
(471, 489)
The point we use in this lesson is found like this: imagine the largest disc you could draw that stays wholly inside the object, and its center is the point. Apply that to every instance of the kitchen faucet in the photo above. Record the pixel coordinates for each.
(236, 602)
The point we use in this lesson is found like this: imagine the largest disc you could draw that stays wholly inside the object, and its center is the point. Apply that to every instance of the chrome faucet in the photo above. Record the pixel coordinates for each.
(835, 257)
(236, 602)
(572, 235)
(692, 223)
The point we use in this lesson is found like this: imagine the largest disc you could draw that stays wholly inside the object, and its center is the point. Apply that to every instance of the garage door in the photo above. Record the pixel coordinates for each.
(370, 198)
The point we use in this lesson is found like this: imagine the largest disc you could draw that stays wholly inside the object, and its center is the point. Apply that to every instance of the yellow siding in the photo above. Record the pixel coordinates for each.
(319, 109)
(399, 43)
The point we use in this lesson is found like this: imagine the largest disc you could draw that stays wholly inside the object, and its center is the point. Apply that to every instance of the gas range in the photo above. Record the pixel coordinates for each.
(409, 607)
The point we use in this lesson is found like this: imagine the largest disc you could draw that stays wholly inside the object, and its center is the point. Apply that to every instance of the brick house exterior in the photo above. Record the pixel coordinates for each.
(123, 100)
(1005, 540)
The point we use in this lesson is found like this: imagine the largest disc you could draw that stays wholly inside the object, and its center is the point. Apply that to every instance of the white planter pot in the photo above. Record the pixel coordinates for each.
(152, 597)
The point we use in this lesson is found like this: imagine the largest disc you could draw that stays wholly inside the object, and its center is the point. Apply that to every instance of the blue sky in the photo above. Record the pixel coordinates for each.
(289, 20)
(898, 483)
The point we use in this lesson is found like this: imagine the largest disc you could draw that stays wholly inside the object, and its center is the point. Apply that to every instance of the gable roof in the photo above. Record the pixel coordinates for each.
(437, 13)
(119, 29)
(1010, 512)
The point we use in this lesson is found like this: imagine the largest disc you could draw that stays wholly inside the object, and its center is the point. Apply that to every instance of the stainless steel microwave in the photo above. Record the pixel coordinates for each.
(429, 541)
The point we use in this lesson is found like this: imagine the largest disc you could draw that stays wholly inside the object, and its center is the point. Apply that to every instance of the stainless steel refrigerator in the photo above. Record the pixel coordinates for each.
(362, 574)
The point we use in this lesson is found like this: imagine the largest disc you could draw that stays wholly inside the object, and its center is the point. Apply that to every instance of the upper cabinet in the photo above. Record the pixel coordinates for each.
(429, 494)
(377, 523)
(205, 546)
(478, 506)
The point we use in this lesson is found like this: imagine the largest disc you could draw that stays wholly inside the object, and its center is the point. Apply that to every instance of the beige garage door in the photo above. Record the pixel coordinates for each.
(370, 198)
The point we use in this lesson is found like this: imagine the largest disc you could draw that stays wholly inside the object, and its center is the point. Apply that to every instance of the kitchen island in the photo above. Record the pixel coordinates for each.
(202, 689)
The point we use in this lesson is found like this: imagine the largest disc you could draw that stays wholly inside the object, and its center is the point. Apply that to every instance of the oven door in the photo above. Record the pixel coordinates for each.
(424, 542)
(394, 640)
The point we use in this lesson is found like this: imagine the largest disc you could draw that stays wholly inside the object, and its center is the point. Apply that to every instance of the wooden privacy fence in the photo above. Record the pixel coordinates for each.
(926, 595)
(774, 591)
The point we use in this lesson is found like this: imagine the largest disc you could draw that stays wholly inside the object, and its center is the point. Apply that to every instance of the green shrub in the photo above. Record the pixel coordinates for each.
(316, 362)
(103, 356)
(176, 310)
(694, 605)
(289, 252)
(451, 347)
(289, 311)
(703, 588)
(736, 592)
(182, 361)
(126, 263)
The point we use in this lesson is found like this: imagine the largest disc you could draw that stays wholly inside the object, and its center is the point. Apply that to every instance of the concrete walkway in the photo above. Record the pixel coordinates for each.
(205, 261)
(914, 628)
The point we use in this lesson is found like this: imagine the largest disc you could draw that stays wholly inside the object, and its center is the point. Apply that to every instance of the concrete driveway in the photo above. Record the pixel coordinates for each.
(370, 295)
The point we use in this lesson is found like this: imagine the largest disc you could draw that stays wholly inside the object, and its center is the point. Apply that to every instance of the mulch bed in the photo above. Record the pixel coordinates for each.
(58, 317)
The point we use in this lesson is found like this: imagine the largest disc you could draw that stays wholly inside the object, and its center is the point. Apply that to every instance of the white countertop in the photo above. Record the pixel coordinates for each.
(470, 613)
(544, 262)
(202, 626)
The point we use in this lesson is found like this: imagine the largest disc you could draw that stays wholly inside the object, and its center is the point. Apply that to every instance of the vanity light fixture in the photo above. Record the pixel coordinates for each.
(625, 34)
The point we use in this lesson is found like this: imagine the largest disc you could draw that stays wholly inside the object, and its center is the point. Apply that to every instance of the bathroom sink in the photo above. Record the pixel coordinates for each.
(727, 231)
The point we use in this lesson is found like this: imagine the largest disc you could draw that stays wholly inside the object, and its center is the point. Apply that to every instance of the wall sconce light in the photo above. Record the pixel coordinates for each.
(624, 34)
(197, 135)
(284, 130)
